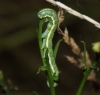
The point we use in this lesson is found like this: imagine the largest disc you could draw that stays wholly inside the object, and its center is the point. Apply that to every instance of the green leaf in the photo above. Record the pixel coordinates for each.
(56, 47)
(42, 68)
(95, 68)
(84, 56)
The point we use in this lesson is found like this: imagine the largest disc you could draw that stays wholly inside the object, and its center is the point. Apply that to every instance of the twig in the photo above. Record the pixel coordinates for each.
(75, 13)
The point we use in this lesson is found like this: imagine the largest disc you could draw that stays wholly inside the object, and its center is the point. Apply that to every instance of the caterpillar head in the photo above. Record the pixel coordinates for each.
(42, 14)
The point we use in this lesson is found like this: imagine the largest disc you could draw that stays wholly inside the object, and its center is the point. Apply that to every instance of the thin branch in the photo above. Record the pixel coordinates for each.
(75, 13)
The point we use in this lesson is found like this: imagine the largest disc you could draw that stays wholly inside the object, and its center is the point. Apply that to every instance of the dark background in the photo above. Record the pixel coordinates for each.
(19, 51)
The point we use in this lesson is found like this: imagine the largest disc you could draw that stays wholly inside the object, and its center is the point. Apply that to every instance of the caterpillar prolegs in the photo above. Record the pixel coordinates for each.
(47, 36)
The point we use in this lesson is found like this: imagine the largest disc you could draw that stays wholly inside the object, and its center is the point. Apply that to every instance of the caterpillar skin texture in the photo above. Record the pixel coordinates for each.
(50, 16)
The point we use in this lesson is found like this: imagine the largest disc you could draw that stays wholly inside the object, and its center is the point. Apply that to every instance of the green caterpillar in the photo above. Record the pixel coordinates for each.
(50, 16)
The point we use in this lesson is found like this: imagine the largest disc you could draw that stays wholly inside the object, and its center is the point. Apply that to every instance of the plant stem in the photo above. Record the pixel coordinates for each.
(39, 35)
(86, 74)
(44, 60)
(50, 79)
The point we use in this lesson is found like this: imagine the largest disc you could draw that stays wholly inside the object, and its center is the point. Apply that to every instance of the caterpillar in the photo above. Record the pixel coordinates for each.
(47, 36)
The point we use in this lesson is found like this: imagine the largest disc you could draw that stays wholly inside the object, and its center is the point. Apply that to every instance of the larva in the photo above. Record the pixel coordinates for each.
(50, 16)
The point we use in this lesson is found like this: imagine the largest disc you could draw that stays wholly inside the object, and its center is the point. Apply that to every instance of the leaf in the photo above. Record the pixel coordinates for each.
(56, 47)
(84, 56)
(42, 68)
